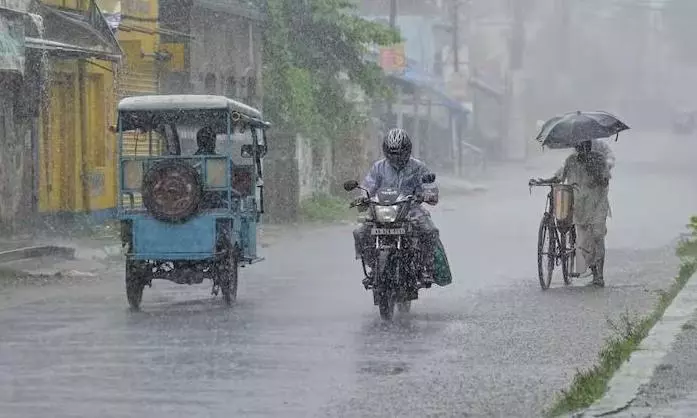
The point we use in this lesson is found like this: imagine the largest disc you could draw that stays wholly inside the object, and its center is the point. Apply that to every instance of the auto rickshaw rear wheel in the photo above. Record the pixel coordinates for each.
(135, 283)
(228, 270)
(172, 190)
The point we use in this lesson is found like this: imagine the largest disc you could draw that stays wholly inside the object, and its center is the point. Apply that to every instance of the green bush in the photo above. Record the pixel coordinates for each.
(323, 207)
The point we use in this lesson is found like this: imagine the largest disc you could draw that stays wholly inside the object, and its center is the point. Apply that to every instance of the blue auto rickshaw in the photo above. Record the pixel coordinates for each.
(185, 215)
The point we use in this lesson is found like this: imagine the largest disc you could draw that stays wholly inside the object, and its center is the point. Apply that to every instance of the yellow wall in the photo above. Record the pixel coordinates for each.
(63, 160)
(61, 149)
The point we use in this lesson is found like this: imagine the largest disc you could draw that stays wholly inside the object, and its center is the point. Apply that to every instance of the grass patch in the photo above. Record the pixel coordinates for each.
(590, 385)
(323, 207)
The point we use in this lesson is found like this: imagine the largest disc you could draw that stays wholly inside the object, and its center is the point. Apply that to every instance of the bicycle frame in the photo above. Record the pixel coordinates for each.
(556, 227)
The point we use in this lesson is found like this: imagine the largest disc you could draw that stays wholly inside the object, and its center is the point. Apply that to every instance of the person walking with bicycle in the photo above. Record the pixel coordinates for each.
(589, 170)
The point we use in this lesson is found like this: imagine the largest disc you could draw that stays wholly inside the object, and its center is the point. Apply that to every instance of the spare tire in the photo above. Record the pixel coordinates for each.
(172, 191)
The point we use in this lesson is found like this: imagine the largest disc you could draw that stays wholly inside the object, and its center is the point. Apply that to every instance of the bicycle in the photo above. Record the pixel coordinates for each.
(557, 230)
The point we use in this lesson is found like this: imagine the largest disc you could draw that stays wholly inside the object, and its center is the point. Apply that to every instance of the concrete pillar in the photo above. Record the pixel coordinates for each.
(416, 135)
(455, 136)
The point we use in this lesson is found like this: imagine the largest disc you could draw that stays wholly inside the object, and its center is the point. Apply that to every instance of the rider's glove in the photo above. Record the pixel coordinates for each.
(361, 201)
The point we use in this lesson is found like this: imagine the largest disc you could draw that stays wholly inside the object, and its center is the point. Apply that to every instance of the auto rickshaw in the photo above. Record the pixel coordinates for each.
(187, 216)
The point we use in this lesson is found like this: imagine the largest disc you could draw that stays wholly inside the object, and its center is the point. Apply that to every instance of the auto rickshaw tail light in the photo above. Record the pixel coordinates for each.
(132, 174)
(216, 173)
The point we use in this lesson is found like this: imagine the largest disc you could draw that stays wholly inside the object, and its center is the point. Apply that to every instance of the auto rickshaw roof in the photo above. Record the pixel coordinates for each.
(174, 102)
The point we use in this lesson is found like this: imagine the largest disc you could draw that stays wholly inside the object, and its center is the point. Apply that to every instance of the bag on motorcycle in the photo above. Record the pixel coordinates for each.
(442, 276)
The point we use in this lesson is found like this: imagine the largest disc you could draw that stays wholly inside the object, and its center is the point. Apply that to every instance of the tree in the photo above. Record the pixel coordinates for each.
(308, 46)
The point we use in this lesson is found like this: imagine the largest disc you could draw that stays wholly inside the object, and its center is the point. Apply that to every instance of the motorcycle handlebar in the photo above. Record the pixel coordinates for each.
(364, 201)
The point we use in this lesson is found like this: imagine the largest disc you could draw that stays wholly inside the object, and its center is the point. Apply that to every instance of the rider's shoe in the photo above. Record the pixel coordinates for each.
(597, 276)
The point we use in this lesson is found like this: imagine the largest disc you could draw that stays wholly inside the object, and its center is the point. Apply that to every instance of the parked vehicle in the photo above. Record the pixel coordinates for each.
(188, 216)
(684, 122)
(397, 270)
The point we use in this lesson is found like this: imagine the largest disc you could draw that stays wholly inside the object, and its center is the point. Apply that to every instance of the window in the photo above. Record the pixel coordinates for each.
(210, 83)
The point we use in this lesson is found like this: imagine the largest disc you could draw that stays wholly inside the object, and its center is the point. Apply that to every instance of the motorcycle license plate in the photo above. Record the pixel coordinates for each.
(388, 231)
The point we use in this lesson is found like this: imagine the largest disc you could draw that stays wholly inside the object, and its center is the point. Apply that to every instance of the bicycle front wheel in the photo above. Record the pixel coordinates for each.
(546, 251)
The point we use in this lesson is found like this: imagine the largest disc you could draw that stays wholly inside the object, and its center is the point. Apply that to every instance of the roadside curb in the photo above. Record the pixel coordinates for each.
(106, 252)
(37, 251)
(638, 370)
(69, 258)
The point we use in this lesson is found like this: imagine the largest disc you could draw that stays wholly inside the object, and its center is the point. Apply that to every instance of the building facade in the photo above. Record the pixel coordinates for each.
(215, 47)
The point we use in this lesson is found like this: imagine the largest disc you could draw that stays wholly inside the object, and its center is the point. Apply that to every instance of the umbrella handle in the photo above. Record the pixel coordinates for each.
(617, 136)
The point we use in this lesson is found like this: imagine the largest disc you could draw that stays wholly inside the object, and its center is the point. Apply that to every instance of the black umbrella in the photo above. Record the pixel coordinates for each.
(568, 130)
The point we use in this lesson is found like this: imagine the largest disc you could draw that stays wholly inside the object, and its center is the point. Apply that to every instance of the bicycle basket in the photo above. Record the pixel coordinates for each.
(563, 199)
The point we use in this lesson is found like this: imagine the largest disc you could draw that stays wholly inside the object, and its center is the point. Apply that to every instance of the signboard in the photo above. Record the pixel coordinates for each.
(12, 44)
(393, 59)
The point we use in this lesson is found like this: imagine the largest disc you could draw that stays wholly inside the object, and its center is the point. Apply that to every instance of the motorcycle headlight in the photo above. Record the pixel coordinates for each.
(386, 213)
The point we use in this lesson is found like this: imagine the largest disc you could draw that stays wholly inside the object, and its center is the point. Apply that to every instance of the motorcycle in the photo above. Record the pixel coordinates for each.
(396, 275)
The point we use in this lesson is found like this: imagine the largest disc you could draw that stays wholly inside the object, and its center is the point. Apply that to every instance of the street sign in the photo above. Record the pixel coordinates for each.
(393, 58)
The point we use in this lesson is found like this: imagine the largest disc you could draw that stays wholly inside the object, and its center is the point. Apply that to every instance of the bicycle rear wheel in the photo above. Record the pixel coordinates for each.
(568, 244)
(546, 251)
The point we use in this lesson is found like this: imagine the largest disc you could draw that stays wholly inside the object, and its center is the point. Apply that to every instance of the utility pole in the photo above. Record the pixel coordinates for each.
(393, 14)
(514, 110)
(455, 134)
(393, 25)
(456, 35)
(517, 36)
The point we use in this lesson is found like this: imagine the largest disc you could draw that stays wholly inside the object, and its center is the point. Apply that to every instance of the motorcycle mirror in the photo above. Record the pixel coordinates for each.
(428, 178)
(350, 185)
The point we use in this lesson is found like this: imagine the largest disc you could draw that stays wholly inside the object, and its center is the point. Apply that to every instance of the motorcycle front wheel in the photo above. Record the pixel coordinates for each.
(404, 307)
(386, 296)
(386, 302)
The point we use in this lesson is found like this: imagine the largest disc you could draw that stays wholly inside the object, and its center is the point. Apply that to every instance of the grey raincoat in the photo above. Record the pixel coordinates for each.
(382, 174)
(591, 204)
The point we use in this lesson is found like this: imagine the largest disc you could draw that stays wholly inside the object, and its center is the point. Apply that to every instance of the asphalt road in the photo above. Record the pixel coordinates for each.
(305, 340)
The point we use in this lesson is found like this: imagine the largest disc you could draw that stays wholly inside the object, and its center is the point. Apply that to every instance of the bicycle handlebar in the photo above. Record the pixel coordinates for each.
(542, 184)
(532, 184)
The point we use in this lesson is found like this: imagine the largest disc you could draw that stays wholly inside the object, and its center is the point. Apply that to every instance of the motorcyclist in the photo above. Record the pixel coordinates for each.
(400, 171)
(590, 171)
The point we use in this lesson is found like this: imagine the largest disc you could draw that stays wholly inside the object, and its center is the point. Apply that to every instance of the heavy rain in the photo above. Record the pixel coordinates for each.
(183, 234)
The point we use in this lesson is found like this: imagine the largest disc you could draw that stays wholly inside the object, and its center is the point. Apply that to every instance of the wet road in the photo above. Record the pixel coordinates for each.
(305, 341)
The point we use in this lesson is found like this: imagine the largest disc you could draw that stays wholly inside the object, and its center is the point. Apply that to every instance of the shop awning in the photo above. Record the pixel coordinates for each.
(72, 35)
(425, 82)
